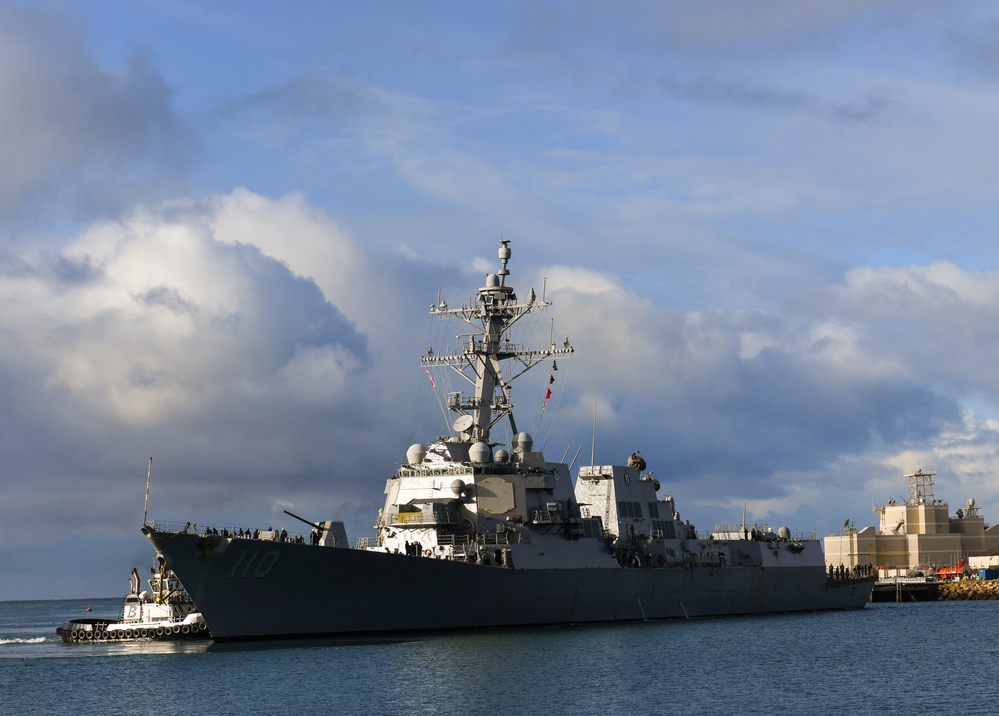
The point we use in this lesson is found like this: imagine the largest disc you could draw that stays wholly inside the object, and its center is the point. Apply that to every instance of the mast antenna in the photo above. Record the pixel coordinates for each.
(149, 478)
(593, 442)
(573, 458)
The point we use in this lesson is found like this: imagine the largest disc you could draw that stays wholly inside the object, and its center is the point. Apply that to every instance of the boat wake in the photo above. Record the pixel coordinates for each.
(18, 640)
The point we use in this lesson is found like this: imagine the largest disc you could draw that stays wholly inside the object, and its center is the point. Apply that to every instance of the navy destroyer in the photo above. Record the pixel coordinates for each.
(478, 533)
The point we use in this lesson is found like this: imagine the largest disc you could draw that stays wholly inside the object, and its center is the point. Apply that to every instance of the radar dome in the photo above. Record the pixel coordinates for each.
(523, 442)
(783, 533)
(971, 502)
(415, 454)
(492, 281)
(479, 453)
(501, 456)
(457, 487)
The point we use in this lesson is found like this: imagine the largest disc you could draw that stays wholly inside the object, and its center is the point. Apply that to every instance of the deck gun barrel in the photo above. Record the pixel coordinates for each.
(302, 519)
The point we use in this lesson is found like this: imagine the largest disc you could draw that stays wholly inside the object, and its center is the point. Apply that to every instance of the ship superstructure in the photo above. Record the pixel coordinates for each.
(476, 532)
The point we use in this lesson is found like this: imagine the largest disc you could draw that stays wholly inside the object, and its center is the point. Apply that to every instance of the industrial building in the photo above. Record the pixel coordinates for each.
(919, 533)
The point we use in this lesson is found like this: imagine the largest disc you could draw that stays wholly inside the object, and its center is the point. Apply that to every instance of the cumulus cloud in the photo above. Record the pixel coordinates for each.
(938, 319)
(190, 311)
(306, 240)
(150, 331)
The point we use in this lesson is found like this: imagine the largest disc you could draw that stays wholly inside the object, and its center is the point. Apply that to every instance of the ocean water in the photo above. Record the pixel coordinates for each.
(917, 658)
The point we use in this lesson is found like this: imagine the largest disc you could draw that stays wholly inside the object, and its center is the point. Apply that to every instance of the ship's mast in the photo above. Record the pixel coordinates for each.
(480, 354)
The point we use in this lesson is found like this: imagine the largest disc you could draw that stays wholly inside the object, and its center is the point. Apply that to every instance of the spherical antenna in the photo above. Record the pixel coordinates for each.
(523, 442)
(416, 454)
(480, 453)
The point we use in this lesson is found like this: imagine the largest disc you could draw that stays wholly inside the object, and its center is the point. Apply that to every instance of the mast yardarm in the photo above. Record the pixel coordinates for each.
(481, 353)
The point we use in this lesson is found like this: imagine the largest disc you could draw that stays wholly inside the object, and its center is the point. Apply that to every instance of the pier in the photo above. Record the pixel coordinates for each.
(906, 589)
(926, 589)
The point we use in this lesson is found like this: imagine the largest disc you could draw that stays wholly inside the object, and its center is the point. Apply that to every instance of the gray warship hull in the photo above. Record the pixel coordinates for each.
(251, 589)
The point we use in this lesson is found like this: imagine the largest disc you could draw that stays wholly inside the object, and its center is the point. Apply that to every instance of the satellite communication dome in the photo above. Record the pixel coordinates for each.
(783, 533)
(457, 487)
(479, 453)
(415, 454)
(501, 456)
(523, 442)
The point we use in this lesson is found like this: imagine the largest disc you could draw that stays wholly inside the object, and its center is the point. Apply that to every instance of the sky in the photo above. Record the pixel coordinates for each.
(768, 229)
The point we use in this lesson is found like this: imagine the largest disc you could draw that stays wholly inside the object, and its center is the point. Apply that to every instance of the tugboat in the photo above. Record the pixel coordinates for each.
(166, 611)
(477, 531)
